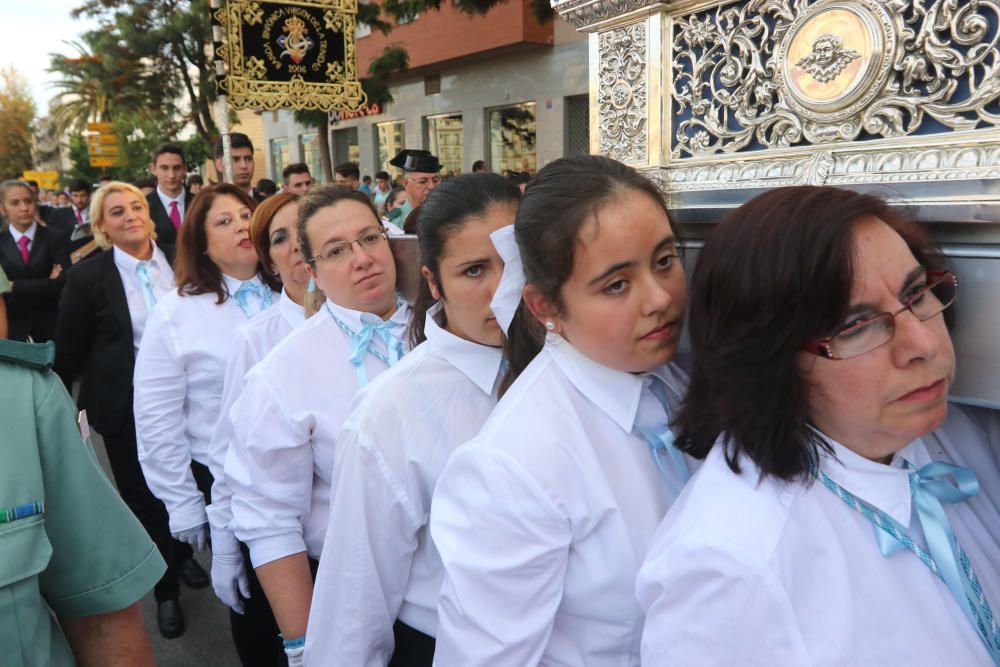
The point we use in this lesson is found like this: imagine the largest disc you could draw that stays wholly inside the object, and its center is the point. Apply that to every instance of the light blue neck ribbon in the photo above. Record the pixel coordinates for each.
(146, 280)
(242, 297)
(361, 342)
(661, 441)
(929, 487)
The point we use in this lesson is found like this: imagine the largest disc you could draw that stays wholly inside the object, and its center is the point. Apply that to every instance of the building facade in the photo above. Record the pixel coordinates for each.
(501, 88)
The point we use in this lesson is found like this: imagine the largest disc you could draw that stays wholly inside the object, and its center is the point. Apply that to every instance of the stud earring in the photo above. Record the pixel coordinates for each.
(550, 326)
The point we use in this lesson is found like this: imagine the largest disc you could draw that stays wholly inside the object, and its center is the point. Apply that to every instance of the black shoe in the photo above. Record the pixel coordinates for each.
(192, 574)
(170, 619)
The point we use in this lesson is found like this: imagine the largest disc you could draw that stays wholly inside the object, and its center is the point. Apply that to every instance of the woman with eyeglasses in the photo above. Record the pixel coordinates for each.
(295, 401)
(845, 513)
(182, 358)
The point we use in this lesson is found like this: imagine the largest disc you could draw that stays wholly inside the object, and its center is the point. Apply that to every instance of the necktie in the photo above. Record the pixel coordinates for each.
(661, 442)
(361, 342)
(146, 280)
(23, 245)
(79, 215)
(262, 294)
(929, 487)
(175, 215)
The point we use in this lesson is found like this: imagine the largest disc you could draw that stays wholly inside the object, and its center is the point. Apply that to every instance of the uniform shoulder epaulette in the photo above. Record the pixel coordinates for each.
(39, 356)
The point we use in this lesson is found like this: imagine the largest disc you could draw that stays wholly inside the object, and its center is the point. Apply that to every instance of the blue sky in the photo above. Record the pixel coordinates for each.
(33, 29)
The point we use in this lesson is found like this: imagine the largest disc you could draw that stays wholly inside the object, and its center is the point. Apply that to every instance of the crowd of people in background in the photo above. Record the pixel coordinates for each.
(518, 466)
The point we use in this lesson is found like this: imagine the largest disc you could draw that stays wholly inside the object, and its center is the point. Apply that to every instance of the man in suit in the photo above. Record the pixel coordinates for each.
(74, 220)
(241, 151)
(169, 202)
(102, 314)
(33, 257)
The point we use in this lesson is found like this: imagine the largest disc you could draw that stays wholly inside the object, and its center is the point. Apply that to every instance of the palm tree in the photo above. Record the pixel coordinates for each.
(100, 79)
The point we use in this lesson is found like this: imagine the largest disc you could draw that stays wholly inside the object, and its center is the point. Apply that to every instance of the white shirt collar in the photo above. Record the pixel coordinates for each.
(615, 392)
(352, 318)
(479, 363)
(166, 199)
(886, 487)
(30, 232)
(127, 262)
(293, 313)
(233, 284)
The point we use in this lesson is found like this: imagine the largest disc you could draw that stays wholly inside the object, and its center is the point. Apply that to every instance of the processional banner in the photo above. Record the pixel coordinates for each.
(281, 54)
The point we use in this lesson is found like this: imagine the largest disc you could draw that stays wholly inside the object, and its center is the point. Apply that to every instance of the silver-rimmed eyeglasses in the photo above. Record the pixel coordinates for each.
(341, 250)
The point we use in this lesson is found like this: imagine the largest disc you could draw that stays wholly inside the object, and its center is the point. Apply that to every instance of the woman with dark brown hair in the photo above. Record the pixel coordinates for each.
(187, 341)
(272, 231)
(837, 518)
(542, 519)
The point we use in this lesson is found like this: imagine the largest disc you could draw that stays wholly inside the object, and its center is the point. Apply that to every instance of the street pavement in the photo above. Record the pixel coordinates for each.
(207, 641)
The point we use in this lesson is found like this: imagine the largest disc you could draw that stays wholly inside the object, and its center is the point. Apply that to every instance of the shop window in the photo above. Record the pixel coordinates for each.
(391, 139)
(444, 139)
(512, 138)
(279, 158)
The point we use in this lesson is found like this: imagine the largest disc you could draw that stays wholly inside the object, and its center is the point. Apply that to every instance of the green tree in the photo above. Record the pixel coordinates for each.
(17, 113)
(79, 160)
(169, 40)
(103, 78)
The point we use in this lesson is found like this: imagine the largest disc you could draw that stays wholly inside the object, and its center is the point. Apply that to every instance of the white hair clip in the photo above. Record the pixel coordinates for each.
(508, 295)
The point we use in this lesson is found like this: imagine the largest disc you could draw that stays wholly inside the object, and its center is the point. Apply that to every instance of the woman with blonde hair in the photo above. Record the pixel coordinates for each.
(102, 314)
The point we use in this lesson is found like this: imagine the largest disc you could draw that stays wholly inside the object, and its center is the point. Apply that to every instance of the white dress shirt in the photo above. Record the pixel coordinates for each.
(166, 200)
(542, 520)
(252, 342)
(286, 422)
(391, 451)
(752, 572)
(178, 388)
(163, 283)
(29, 232)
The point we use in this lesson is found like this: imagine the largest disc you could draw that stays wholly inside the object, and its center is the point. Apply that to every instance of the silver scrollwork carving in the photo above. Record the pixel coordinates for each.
(763, 74)
(582, 14)
(622, 100)
(892, 166)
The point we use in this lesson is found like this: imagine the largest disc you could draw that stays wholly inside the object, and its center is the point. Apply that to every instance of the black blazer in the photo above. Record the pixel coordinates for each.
(94, 341)
(31, 306)
(64, 221)
(166, 235)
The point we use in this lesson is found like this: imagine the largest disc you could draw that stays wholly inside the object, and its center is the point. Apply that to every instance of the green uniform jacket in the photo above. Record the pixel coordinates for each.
(79, 551)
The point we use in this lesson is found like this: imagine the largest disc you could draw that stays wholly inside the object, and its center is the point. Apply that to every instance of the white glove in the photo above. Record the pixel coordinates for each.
(229, 579)
(197, 537)
(294, 656)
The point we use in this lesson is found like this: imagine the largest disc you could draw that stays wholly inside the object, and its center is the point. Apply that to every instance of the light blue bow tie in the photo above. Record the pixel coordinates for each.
(242, 297)
(944, 556)
(146, 281)
(929, 487)
(371, 326)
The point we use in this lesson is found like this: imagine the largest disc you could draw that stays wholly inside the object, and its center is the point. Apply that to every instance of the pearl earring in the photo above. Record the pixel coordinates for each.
(550, 326)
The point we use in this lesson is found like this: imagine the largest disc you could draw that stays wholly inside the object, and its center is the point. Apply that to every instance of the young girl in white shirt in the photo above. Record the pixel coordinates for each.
(294, 402)
(401, 431)
(185, 346)
(542, 520)
(837, 518)
(272, 231)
